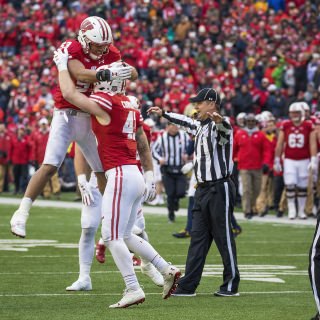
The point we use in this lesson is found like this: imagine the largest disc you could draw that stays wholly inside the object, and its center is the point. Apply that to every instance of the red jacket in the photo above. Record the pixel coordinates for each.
(5, 148)
(38, 146)
(20, 150)
(249, 151)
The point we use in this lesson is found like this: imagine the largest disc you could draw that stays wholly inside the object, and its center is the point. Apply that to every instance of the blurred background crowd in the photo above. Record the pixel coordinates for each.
(260, 55)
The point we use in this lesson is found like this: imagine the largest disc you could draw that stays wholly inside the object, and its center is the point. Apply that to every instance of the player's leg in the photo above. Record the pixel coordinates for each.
(59, 139)
(147, 268)
(290, 177)
(90, 221)
(302, 185)
(124, 187)
(144, 249)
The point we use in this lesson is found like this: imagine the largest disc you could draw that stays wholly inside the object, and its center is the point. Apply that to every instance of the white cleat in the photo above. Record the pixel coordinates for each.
(171, 276)
(150, 270)
(18, 223)
(130, 297)
(80, 285)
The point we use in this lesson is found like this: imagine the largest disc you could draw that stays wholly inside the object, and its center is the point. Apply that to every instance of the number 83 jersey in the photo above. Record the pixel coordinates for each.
(117, 144)
(297, 145)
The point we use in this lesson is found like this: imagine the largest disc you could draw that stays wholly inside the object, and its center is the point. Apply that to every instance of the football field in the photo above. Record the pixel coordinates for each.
(272, 257)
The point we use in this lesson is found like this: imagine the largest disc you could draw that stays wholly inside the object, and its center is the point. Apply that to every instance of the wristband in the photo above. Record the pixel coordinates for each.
(82, 178)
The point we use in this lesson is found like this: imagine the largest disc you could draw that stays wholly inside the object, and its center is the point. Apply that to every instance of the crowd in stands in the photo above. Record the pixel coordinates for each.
(260, 55)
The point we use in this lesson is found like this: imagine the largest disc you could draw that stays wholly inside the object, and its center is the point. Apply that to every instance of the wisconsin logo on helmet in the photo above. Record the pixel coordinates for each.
(96, 31)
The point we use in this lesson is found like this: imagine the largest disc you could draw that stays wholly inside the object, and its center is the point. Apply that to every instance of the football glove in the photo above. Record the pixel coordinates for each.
(150, 190)
(277, 165)
(187, 168)
(60, 58)
(85, 190)
(114, 73)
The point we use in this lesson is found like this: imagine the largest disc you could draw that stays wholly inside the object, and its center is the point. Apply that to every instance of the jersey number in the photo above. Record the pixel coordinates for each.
(80, 86)
(130, 126)
(296, 140)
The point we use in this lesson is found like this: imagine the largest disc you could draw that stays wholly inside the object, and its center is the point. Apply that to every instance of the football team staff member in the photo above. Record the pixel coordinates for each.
(126, 187)
(215, 195)
(91, 49)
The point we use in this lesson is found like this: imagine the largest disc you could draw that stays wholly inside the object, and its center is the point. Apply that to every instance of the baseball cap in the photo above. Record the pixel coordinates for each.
(43, 121)
(208, 94)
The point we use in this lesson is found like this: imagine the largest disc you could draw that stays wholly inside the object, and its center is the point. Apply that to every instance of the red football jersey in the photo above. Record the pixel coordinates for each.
(117, 145)
(297, 139)
(76, 53)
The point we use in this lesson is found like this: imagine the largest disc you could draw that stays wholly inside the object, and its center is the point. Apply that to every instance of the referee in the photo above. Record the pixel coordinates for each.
(169, 150)
(314, 268)
(215, 194)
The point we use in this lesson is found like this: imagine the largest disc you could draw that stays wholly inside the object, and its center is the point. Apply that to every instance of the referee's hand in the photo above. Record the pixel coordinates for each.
(215, 116)
(156, 110)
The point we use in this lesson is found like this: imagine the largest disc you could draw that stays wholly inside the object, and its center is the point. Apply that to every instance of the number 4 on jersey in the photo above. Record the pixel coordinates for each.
(130, 125)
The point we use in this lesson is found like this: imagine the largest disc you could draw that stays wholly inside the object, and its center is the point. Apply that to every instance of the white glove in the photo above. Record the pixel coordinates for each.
(85, 190)
(150, 191)
(60, 58)
(277, 165)
(313, 165)
(120, 73)
(187, 168)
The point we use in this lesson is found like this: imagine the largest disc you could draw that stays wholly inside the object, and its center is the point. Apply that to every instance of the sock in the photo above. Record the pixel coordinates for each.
(25, 204)
(122, 258)
(86, 251)
(292, 211)
(302, 199)
(146, 252)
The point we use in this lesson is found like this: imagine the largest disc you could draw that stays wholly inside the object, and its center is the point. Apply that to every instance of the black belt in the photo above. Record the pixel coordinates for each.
(207, 184)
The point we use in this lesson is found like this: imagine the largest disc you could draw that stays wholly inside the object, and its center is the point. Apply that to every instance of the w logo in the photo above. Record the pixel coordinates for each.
(86, 25)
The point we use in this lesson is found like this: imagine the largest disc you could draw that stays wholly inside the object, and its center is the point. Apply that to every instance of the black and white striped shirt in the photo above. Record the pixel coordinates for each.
(171, 148)
(213, 146)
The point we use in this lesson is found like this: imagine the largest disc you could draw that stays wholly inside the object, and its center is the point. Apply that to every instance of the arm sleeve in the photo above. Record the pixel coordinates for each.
(157, 149)
(224, 131)
(187, 123)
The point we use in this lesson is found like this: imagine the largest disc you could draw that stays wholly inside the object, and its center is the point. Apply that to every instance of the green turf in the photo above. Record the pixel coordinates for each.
(32, 282)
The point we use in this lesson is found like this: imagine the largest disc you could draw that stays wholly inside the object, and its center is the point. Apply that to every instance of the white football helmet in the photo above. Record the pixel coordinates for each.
(134, 101)
(94, 30)
(267, 116)
(296, 107)
(113, 87)
(240, 119)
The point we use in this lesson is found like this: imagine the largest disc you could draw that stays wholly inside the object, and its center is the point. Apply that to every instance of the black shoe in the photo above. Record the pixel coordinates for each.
(171, 217)
(182, 234)
(264, 213)
(248, 215)
(179, 292)
(221, 293)
(279, 214)
(316, 317)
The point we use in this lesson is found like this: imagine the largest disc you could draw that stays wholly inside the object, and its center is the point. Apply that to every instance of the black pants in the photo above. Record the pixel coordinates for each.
(314, 265)
(20, 173)
(211, 221)
(175, 187)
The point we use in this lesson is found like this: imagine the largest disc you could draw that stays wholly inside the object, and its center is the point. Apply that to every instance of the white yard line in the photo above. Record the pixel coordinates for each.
(158, 211)
(81, 294)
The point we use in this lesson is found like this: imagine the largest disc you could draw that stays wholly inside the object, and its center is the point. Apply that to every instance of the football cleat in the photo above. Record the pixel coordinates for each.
(171, 276)
(130, 297)
(101, 252)
(150, 270)
(80, 285)
(18, 223)
(136, 261)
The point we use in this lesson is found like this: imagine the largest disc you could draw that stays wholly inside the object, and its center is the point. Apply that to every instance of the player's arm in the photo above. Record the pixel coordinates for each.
(72, 95)
(144, 150)
(280, 143)
(313, 144)
(79, 72)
